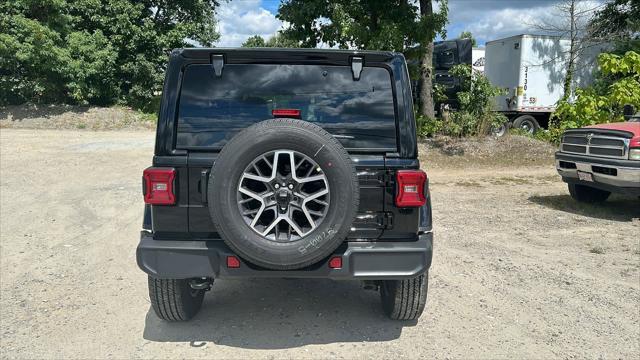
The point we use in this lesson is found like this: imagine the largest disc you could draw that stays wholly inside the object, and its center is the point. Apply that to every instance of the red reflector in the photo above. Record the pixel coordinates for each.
(335, 262)
(294, 113)
(158, 186)
(410, 191)
(233, 262)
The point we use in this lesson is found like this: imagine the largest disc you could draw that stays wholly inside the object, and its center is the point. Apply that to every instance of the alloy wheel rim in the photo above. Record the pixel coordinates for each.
(283, 195)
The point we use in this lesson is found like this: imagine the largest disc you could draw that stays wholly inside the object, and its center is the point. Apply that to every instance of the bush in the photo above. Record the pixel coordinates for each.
(618, 84)
(475, 115)
(95, 52)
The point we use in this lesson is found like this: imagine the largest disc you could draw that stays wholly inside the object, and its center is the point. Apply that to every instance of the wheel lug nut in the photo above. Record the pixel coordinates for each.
(277, 186)
(290, 186)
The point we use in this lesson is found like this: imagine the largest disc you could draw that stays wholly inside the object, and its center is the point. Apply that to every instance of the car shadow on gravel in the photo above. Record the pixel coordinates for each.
(280, 314)
(617, 208)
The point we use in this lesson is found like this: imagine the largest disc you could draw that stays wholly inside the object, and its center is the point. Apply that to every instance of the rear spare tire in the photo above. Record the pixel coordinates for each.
(283, 194)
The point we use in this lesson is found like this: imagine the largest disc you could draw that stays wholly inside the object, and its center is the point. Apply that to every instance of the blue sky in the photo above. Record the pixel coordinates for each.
(486, 19)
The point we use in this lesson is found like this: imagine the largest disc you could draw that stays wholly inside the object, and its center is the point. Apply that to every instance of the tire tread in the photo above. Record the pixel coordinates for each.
(404, 299)
(167, 298)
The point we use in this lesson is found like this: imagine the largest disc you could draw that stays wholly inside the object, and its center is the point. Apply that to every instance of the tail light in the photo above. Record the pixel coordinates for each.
(158, 185)
(410, 192)
(335, 262)
(233, 262)
(290, 113)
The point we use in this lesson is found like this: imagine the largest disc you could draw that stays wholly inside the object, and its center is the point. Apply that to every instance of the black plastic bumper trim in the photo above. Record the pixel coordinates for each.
(178, 259)
(597, 160)
(632, 191)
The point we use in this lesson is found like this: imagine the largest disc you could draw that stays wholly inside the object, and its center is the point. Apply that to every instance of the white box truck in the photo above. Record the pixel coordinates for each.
(531, 69)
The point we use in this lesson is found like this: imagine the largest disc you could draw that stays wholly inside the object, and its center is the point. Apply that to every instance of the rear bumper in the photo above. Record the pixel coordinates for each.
(360, 260)
(619, 176)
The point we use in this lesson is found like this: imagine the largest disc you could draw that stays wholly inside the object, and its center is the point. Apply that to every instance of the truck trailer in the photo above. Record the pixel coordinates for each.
(531, 70)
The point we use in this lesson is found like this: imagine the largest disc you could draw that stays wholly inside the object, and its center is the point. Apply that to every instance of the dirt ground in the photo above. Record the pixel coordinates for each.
(77, 117)
(520, 270)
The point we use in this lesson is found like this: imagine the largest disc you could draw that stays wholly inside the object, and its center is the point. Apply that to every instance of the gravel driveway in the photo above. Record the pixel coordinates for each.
(520, 270)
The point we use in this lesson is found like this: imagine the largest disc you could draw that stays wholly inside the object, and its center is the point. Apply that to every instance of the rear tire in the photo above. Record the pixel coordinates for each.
(588, 194)
(174, 299)
(527, 123)
(404, 299)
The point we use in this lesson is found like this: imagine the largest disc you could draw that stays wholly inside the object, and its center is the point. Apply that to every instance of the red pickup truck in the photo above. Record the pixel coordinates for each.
(598, 160)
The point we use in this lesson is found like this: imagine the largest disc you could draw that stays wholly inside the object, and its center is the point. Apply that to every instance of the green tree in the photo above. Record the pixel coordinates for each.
(254, 41)
(618, 21)
(468, 35)
(395, 25)
(570, 19)
(281, 40)
(617, 18)
(95, 51)
(278, 40)
(604, 101)
(475, 115)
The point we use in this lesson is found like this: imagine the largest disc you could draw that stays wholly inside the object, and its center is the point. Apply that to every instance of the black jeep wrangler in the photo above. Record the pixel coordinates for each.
(285, 163)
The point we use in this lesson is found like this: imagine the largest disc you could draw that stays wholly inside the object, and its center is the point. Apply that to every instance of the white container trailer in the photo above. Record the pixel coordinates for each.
(531, 69)
(477, 59)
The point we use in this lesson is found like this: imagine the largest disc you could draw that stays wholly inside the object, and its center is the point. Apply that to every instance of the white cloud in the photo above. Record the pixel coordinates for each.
(241, 19)
(494, 19)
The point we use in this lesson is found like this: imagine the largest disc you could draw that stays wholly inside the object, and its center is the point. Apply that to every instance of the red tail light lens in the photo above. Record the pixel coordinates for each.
(158, 186)
(292, 113)
(335, 262)
(410, 192)
(233, 262)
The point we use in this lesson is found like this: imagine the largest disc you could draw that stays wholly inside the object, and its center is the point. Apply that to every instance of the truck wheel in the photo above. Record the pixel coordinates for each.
(527, 123)
(499, 130)
(404, 299)
(174, 299)
(283, 194)
(587, 194)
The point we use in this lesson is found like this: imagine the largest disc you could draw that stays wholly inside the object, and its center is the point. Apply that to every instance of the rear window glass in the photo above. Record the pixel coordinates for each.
(213, 109)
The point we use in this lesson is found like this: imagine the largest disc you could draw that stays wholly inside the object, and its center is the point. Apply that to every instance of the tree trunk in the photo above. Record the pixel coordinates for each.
(426, 68)
(568, 79)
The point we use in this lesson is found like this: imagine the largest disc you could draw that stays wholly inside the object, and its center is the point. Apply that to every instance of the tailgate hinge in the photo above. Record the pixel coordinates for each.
(203, 185)
(385, 220)
(217, 62)
(356, 67)
(386, 178)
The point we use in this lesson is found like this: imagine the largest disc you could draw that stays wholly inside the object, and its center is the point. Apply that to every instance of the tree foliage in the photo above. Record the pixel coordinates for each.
(475, 115)
(254, 41)
(604, 101)
(468, 35)
(571, 19)
(617, 19)
(95, 51)
(279, 40)
(396, 25)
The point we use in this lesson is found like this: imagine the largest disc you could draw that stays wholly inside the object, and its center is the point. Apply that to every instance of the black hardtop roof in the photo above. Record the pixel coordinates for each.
(239, 54)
